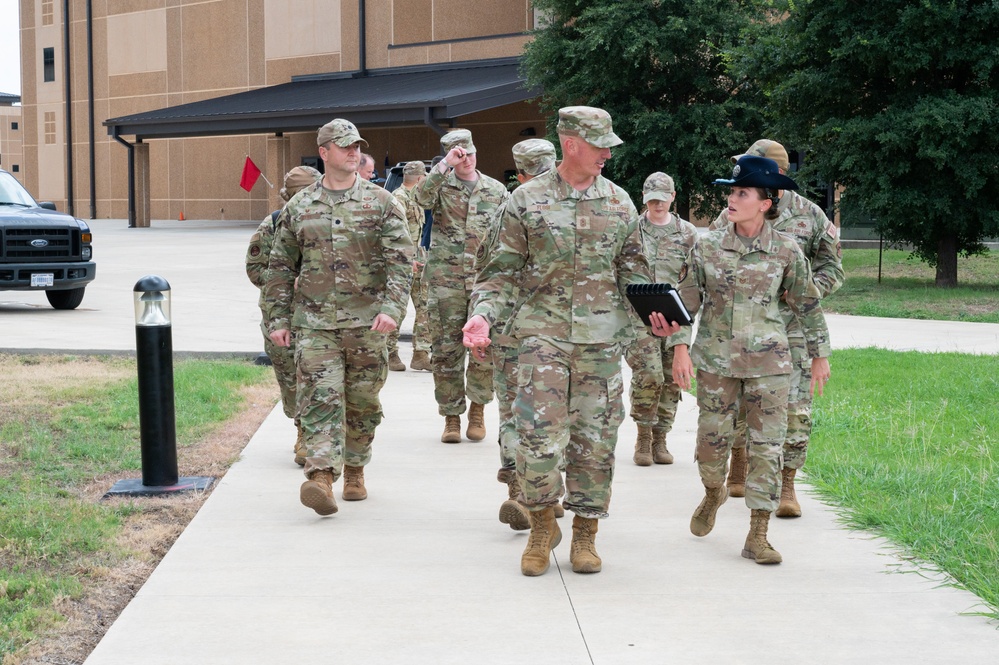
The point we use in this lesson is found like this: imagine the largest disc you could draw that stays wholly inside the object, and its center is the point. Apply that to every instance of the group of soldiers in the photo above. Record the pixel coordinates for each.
(522, 294)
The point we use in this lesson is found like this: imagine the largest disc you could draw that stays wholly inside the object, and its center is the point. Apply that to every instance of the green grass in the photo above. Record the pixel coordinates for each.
(54, 445)
(907, 290)
(908, 445)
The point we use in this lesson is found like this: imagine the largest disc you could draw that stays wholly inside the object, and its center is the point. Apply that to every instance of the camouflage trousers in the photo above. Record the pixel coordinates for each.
(340, 373)
(569, 399)
(505, 351)
(421, 326)
(799, 408)
(719, 399)
(283, 362)
(654, 395)
(448, 310)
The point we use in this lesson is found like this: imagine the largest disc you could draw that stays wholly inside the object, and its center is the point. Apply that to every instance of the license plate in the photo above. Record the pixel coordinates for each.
(42, 279)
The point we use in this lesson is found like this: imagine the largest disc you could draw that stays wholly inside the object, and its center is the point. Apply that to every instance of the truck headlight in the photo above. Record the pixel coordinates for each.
(86, 253)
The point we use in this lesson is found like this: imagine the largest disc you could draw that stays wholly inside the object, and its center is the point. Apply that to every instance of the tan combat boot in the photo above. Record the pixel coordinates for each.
(476, 422)
(421, 361)
(545, 535)
(353, 483)
(660, 454)
(317, 492)
(789, 506)
(511, 511)
(452, 430)
(737, 473)
(704, 517)
(583, 554)
(757, 547)
(395, 363)
(301, 452)
(643, 446)
(559, 510)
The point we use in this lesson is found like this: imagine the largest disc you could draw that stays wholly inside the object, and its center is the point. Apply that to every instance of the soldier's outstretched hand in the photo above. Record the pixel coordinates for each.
(476, 335)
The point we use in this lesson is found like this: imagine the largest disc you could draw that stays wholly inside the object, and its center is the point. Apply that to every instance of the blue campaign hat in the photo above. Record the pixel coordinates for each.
(753, 171)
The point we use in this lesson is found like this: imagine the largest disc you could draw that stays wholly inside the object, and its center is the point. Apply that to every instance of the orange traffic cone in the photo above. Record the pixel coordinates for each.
(181, 217)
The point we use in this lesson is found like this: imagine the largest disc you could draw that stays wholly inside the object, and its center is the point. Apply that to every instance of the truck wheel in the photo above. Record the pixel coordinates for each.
(69, 299)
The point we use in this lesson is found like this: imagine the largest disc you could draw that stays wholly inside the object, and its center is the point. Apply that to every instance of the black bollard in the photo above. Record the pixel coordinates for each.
(157, 419)
(154, 361)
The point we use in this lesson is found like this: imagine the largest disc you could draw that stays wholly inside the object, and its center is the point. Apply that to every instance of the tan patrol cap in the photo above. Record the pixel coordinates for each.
(340, 131)
(658, 186)
(414, 168)
(458, 137)
(297, 179)
(534, 156)
(589, 123)
(770, 150)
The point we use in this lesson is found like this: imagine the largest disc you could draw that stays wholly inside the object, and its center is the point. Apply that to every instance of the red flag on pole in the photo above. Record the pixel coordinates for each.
(250, 175)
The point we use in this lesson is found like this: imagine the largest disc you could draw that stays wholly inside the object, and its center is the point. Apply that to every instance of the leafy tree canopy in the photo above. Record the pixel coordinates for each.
(897, 101)
(659, 68)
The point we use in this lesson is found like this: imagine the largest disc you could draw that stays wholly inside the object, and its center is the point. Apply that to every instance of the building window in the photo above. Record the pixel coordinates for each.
(13, 126)
(15, 168)
(48, 12)
(48, 63)
(50, 127)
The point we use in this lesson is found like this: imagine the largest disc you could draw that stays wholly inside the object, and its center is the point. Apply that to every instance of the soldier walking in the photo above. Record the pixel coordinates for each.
(413, 174)
(666, 241)
(532, 158)
(463, 202)
(257, 256)
(569, 240)
(818, 239)
(737, 276)
(339, 277)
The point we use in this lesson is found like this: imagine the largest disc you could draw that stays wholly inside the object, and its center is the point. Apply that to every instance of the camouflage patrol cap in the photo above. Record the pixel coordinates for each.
(458, 137)
(296, 179)
(534, 156)
(340, 131)
(414, 168)
(770, 150)
(658, 186)
(591, 124)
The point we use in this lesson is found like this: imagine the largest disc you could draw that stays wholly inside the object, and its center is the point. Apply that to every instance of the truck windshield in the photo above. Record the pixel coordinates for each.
(12, 193)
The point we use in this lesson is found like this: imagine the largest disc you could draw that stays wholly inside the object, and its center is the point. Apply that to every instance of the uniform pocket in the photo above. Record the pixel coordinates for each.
(523, 404)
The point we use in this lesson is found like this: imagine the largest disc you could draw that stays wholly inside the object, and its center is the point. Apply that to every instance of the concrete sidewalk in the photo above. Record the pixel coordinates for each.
(422, 571)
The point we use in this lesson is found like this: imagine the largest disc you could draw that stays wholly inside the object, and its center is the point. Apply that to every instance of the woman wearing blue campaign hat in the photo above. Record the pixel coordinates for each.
(737, 275)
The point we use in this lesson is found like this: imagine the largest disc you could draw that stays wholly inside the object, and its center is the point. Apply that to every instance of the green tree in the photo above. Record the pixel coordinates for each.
(897, 101)
(658, 67)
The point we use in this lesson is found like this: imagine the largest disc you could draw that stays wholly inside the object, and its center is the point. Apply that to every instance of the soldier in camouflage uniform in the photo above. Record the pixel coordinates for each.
(666, 241)
(257, 256)
(737, 276)
(532, 158)
(339, 276)
(412, 175)
(818, 238)
(568, 245)
(463, 202)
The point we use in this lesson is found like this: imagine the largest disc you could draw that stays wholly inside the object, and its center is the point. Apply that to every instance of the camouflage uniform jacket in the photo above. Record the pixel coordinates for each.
(258, 254)
(461, 223)
(508, 299)
(667, 249)
(572, 255)
(352, 256)
(741, 333)
(818, 239)
(414, 213)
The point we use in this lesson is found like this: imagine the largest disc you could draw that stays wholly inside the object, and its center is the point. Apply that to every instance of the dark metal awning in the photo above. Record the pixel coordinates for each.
(425, 94)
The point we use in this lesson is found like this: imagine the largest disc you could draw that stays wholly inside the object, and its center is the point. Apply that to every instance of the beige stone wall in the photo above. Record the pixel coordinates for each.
(150, 54)
(11, 152)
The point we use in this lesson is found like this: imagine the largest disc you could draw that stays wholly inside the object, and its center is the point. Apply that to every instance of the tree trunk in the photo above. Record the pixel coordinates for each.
(947, 261)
